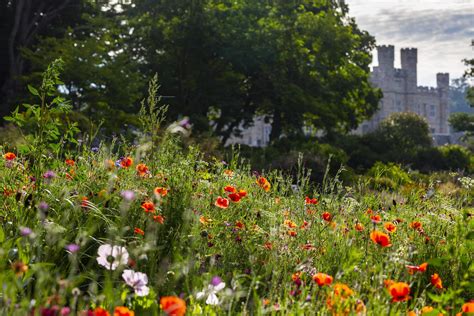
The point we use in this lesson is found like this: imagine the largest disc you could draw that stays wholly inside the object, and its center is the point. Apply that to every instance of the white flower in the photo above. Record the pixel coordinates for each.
(215, 286)
(138, 281)
(110, 257)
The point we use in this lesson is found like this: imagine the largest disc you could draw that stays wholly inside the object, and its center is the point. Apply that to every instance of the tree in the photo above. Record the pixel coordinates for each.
(298, 62)
(400, 137)
(21, 22)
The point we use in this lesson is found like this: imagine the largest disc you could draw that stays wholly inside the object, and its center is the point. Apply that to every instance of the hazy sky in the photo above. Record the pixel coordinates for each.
(442, 31)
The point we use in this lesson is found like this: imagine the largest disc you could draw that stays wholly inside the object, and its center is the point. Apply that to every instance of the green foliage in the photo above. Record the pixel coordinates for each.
(400, 136)
(389, 175)
(45, 125)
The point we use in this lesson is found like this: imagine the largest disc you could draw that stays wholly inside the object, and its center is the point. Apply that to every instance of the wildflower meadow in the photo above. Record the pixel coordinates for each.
(155, 226)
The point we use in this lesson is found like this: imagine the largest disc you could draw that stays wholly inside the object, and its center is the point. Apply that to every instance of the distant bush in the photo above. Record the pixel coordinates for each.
(456, 157)
(389, 175)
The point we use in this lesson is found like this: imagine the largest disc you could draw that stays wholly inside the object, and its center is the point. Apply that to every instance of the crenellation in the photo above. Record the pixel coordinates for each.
(402, 93)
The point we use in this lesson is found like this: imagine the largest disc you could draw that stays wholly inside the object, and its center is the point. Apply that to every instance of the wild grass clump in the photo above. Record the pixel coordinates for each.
(153, 228)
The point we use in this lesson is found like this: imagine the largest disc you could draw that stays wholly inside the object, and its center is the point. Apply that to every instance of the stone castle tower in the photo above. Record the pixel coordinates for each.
(401, 92)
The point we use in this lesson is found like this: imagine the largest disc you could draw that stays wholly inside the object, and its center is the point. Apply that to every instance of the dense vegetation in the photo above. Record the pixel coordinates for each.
(155, 226)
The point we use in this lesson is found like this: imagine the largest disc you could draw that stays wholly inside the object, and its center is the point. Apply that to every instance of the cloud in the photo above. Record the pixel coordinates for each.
(441, 31)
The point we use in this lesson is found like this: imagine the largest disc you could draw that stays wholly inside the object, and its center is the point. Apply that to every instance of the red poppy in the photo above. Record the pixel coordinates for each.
(159, 219)
(139, 231)
(436, 281)
(376, 219)
(416, 225)
(148, 207)
(399, 291)
(70, 162)
(304, 225)
(322, 279)
(380, 238)
(123, 311)
(222, 202)
(313, 201)
(230, 189)
(99, 311)
(268, 245)
(173, 306)
(160, 192)
(84, 202)
(235, 197)
(369, 212)
(421, 268)
(239, 225)
(292, 233)
(327, 216)
(390, 227)
(126, 162)
(9, 156)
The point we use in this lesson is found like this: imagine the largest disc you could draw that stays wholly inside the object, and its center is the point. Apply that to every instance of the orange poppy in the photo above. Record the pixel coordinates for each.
(380, 238)
(390, 227)
(290, 224)
(9, 156)
(239, 225)
(204, 220)
(142, 169)
(304, 225)
(70, 162)
(427, 309)
(229, 173)
(376, 219)
(268, 245)
(148, 207)
(242, 193)
(322, 279)
(436, 281)
(222, 202)
(173, 305)
(160, 192)
(468, 307)
(359, 227)
(234, 197)
(369, 212)
(292, 233)
(313, 201)
(123, 311)
(327, 216)
(416, 225)
(159, 219)
(230, 189)
(342, 290)
(263, 183)
(99, 311)
(399, 291)
(139, 231)
(19, 268)
(126, 162)
(388, 283)
(421, 268)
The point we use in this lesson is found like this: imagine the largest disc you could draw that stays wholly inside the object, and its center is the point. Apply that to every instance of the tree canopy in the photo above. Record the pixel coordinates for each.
(298, 63)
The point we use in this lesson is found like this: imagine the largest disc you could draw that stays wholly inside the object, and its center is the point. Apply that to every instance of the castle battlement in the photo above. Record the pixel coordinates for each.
(402, 93)
(424, 89)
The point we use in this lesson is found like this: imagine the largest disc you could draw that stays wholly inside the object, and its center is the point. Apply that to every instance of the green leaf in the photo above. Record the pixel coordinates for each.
(33, 90)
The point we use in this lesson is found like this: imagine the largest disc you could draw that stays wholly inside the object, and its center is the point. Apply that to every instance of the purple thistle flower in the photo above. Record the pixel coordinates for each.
(128, 195)
(43, 206)
(49, 175)
(72, 248)
(25, 231)
(216, 281)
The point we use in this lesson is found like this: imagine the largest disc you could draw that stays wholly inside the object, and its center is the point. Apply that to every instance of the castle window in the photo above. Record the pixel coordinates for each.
(432, 110)
(399, 106)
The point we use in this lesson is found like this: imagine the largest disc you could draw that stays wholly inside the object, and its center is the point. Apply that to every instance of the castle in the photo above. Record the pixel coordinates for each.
(401, 93)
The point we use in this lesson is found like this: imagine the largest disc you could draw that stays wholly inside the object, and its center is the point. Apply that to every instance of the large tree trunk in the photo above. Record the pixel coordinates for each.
(276, 126)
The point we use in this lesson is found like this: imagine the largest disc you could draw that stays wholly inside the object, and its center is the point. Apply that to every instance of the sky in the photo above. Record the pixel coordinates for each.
(442, 30)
